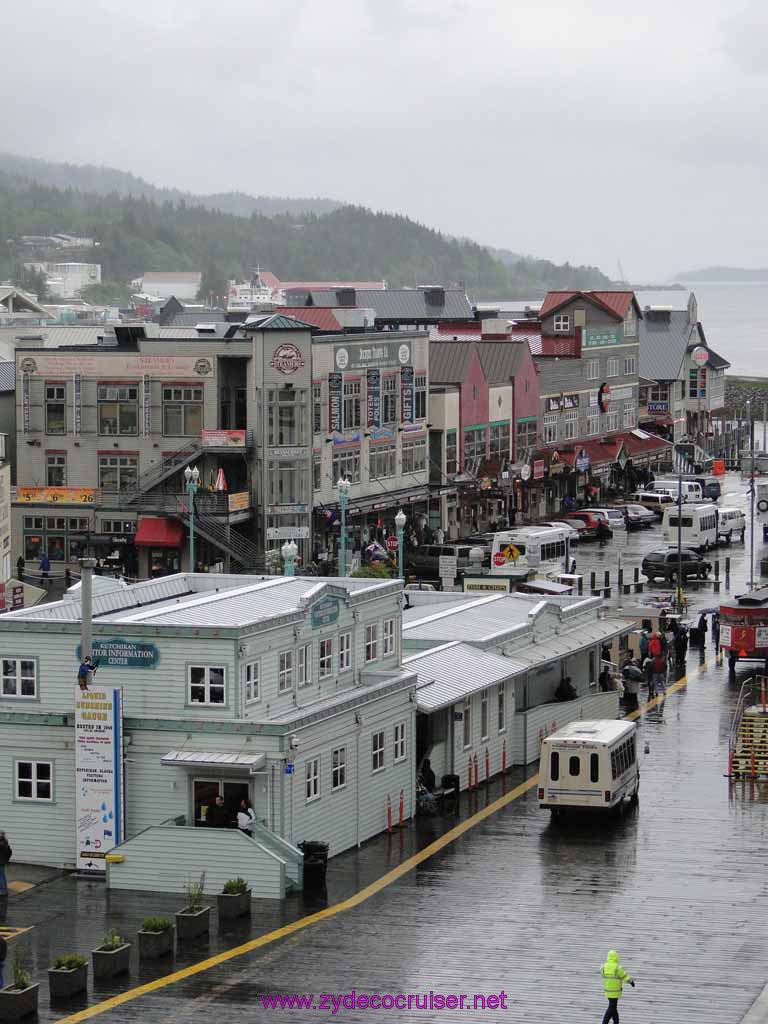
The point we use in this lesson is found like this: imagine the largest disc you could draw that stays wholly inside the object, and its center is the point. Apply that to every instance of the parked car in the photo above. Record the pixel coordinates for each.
(614, 517)
(637, 516)
(730, 521)
(664, 563)
(590, 520)
(574, 532)
(576, 524)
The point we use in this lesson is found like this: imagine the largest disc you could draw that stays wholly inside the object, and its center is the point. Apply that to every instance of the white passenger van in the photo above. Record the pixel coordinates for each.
(731, 521)
(690, 489)
(656, 501)
(589, 764)
(529, 547)
(698, 529)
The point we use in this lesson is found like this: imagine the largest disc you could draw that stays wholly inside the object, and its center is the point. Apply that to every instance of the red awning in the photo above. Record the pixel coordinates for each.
(159, 533)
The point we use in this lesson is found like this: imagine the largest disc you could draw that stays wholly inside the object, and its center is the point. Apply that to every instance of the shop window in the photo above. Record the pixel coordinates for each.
(339, 768)
(34, 780)
(382, 461)
(287, 416)
(286, 481)
(377, 751)
(251, 680)
(420, 396)
(119, 527)
(19, 678)
(118, 409)
(312, 777)
(549, 430)
(206, 684)
(371, 642)
(571, 424)
(55, 409)
(389, 399)
(484, 715)
(345, 652)
(499, 443)
(33, 546)
(56, 469)
(526, 434)
(400, 747)
(414, 456)
(474, 443)
(346, 465)
(118, 472)
(467, 724)
(352, 404)
(285, 672)
(326, 657)
(182, 411)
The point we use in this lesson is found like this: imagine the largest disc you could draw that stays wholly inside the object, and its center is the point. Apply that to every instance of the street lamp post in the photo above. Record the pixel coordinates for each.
(400, 519)
(751, 496)
(343, 486)
(192, 477)
(289, 551)
(679, 593)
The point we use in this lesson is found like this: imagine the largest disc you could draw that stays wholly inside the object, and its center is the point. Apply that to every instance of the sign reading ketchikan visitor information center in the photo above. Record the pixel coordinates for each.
(99, 791)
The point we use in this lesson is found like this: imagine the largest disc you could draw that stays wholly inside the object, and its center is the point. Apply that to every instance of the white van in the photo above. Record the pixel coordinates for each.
(729, 522)
(690, 489)
(698, 529)
(589, 764)
(656, 501)
(529, 547)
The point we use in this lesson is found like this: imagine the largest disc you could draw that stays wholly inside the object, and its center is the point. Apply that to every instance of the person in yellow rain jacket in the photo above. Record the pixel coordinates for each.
(614, 977)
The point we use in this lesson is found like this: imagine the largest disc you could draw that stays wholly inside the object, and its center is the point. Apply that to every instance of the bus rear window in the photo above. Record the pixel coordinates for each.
(574, 765)
(594, 767)
(554, 766)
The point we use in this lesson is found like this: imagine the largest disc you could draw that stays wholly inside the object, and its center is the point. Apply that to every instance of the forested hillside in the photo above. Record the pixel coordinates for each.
(136, 234)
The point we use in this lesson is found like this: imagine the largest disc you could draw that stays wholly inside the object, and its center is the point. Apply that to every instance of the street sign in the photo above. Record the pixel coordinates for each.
(289, 768)
(499, 559)
(392, 544)
(700, 354)
(448, 565)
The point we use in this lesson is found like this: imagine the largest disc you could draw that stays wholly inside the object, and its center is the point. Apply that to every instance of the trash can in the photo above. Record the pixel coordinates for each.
(315, 863)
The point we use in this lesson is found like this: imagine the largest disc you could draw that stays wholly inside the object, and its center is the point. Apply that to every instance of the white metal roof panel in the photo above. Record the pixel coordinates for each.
(213, 757)
(586, 634)
(450, 673)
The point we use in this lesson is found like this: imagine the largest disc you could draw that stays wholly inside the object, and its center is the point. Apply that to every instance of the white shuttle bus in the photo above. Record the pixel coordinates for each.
(529, 547)
(698, 526)
(589, 764)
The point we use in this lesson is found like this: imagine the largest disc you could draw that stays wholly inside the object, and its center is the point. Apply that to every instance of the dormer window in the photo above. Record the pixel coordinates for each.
(562, 323)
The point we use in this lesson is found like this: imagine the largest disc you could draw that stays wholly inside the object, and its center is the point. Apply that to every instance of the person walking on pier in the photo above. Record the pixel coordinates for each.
(614, 976)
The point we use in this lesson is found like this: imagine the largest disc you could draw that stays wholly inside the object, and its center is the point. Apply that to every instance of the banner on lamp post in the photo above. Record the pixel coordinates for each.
(99, 781)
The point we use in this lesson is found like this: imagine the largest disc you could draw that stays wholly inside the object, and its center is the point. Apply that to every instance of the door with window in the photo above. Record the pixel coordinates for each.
(205, 791)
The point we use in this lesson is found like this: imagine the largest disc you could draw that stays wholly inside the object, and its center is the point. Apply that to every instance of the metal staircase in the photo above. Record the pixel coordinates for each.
(167, 466)
(241, 550)
(748, 742)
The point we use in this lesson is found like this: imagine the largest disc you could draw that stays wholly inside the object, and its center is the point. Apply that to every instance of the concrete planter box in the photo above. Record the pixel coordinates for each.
(65, 984)
(107, 963)
(156, 944)
(191, 923)
(17, 1003)
(233, 905)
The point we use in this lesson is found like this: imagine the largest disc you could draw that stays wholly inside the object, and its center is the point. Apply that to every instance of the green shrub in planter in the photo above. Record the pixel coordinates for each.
(68, 976)
(19, 1000)
(193, 919)
(234, 900)
(156, 937)
(112, 957)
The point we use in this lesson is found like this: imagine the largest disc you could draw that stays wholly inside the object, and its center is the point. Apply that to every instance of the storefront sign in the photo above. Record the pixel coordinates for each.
(117, 652)
(335, 387)
(77, 391)
(525, 472)
(582, 461)
(538, 469)
(287, 533)
(25, 402)
(287, 510)
(223, 438)
(761, 632)
(326, 612)
(725, 636)
(287, 358)
(571, 401)
(553, 404)
(287, 454)
(486, 585)
(383, 434)
(373, 397)
(658, 407)
(99, 790)
(115, 367)
(600, 337)
(17, 596)
(239, 502)
(381, 354)
(406, 394)
(57, 495)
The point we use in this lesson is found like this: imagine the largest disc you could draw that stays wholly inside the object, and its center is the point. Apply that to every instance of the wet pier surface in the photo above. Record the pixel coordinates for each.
(518, 903)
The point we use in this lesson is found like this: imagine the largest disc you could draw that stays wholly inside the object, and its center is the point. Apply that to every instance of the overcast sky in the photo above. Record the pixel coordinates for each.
(588, 131)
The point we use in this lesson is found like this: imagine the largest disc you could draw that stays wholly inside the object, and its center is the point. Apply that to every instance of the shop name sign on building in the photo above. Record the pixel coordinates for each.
(119, 653)
(326, 612)
(378, 355)
(600, 337)
(99, 783)
(116, 366)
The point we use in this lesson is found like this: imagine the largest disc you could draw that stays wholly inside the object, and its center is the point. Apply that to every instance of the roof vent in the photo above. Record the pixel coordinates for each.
(346, 296)
(205, 328)
(435, 296)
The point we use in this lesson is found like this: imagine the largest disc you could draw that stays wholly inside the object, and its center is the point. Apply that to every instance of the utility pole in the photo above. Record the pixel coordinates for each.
(87, 566)
(751, 498)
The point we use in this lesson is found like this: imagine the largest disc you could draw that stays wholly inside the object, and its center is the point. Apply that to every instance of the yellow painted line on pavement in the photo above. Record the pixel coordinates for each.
(19, 886)
(7, 932)
(348, 904)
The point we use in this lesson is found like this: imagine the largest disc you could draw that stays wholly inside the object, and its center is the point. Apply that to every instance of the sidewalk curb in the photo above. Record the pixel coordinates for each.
(758, 1011)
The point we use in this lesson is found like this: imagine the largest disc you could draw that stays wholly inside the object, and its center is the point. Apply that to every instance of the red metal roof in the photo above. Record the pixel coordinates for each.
(321, 317)
(607, 451)
(159, 533)
(617, 303)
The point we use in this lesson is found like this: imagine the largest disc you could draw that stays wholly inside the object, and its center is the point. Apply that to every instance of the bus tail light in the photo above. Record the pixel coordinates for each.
(607, 796)
(541, 793)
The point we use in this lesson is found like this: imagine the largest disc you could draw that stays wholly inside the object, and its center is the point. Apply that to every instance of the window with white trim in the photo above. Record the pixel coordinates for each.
(630, 366)
(389, 398)
(612, 420)
(484, 715)
(55, 409)
(593, 369)
(19, 678)
(352, 390)
(382, 460)
(549, 428)
(55, 469)
(501, 709)
(118, 408)
(377, 751)
(339, 768)
(571, 424)
(630, 324)
(252, 674)
(326, 657)
(630, 415)
(420, 396)
(285, 672)
(389, 637)
(118, 472)
(346, 465)
(182, 411)
(34, 780)
(206, 684)
(562, 323)
(312, 777)
(400, 748)
(593, 422)
(371, 642)
(467, 724)
(345, 652)
(414, 455)
(304, 664)
(612, 367)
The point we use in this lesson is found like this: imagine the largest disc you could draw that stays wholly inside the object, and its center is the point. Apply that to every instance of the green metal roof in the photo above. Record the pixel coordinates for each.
(277, 322)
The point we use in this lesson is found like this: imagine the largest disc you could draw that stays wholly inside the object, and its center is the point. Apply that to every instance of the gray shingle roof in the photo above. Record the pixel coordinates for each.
(501, 359)
(400, 303)
(210, 316)
(449, 361)
(664, 338)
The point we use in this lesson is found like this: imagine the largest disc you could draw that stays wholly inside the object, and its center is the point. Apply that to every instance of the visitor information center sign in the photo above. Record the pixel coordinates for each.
(99, 780)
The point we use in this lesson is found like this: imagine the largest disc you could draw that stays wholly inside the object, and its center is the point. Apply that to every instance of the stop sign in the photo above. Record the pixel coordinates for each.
(392, 544)
(499, 559)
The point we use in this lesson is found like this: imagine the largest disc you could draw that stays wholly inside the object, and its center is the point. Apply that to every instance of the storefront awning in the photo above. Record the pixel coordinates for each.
(199, 758)
(159, 533)
(385, 500)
